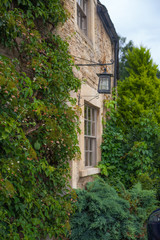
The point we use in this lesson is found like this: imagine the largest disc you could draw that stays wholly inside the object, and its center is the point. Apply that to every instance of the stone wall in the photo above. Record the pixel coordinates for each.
(95, 47)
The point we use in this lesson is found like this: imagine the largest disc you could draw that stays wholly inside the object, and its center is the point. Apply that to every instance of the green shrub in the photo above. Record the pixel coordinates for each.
(102, 213)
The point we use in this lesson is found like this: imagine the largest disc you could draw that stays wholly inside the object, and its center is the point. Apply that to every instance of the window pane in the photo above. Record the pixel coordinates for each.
(84, 23)
(81, 3)
(85, 112)
(86, 159)
(93, 115)
(85, 7)
(93, 129)
(89, 128)
(86, 143)
(90, 159)
(89, 144)
(89, 114)
(85, 130)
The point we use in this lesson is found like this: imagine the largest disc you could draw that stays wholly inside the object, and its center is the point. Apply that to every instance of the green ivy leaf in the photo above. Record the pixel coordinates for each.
(37, 145)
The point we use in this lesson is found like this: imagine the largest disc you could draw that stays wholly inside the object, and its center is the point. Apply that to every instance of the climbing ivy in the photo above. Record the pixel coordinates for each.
(38, 121)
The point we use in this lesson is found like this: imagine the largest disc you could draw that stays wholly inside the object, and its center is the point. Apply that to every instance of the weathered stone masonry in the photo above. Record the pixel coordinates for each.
(99, 45)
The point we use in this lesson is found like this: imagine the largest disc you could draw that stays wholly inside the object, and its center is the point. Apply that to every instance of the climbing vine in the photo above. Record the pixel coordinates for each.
(38, 121)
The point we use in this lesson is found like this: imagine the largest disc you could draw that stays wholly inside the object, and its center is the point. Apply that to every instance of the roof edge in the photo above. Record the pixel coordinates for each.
(107, 22)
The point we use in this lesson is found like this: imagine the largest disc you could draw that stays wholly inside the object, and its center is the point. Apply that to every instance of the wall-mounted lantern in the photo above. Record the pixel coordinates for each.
(104, 85)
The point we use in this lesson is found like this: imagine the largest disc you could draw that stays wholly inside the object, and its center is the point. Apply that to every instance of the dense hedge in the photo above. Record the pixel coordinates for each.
(104, 213)
(38, 124)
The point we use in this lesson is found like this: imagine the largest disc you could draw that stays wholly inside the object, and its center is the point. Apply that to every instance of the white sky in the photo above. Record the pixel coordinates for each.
(139, 21)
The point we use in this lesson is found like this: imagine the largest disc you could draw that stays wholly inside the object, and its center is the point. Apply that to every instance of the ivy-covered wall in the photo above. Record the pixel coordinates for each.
(38, 128)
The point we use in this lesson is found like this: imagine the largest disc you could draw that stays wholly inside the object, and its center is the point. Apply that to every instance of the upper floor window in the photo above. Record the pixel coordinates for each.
(82, 15)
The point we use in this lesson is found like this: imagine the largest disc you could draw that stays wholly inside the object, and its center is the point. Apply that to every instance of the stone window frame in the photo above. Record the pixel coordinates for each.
(90, 135)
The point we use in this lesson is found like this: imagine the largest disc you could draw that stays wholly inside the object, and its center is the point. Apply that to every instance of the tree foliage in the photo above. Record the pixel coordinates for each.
(38, 124)
(125, 48)
(131, 139)
(140, 62)
(139, 93)
(123, 51)
(131, 152)
(104, 213)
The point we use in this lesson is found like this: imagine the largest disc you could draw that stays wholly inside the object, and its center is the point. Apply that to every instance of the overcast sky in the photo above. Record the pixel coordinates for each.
(139, 21)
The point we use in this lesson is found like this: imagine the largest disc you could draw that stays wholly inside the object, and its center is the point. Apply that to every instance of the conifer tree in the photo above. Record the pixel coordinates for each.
(131, 139)
(123, 63)
(138, 95)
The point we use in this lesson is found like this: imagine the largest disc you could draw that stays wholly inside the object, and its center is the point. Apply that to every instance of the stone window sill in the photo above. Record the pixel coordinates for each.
(89, 171)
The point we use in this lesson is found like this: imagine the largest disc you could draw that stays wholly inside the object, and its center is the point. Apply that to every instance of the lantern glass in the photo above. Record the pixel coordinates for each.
(104, 83)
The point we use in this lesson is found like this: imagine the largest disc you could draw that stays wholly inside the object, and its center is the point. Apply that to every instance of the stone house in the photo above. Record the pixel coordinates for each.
(92, 38)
